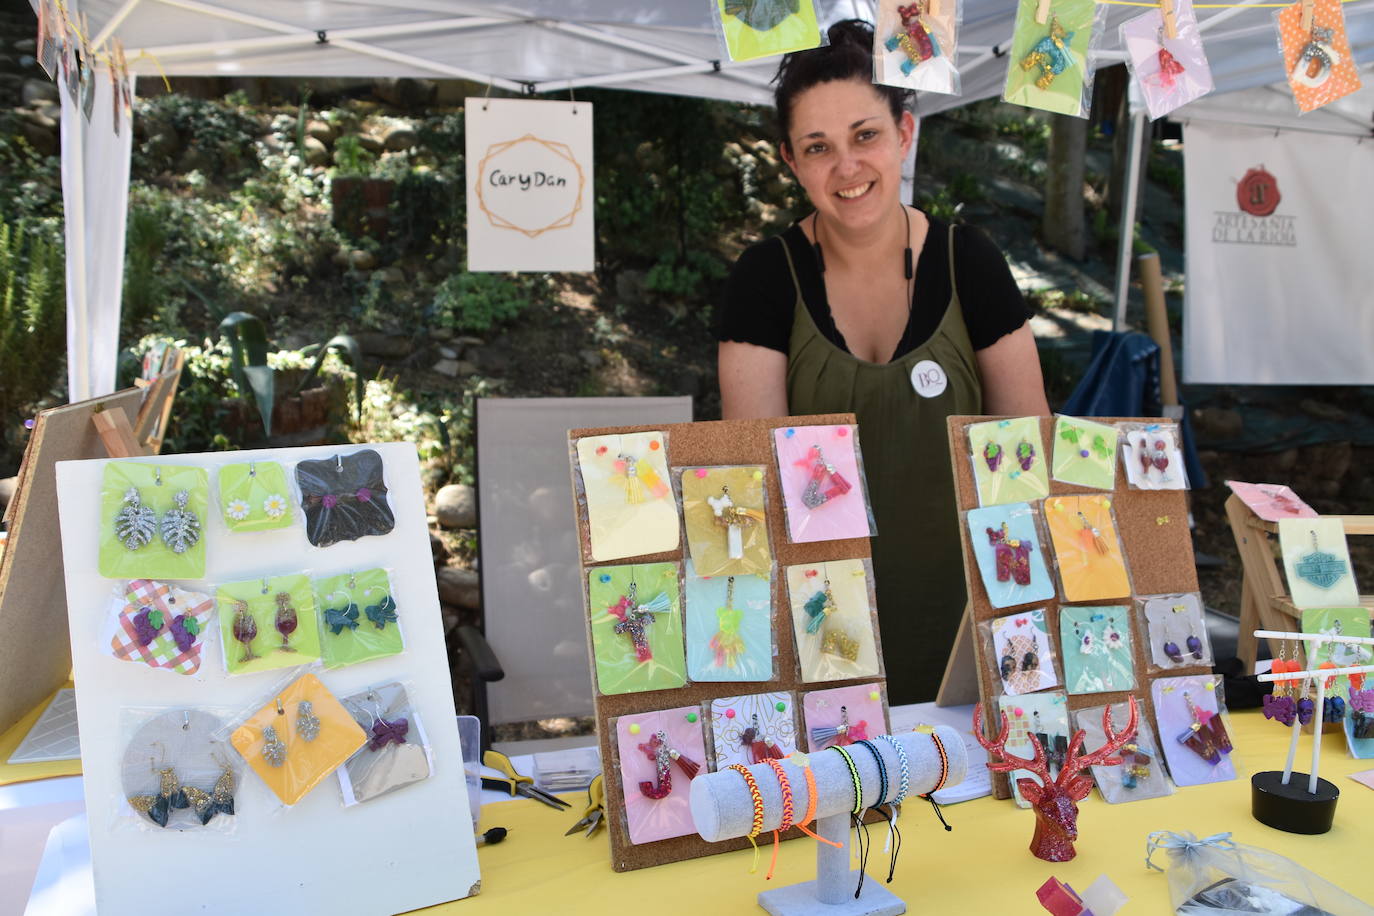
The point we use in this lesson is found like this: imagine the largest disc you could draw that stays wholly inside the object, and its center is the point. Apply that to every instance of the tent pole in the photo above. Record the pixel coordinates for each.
(461, 73)
(1126, 239)
(74, 205)
(306, 37)
(114, 22)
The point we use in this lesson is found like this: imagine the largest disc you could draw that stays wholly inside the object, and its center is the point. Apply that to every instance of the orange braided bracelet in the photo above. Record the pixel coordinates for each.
(804, 762)
(757, 799)
(787, 811)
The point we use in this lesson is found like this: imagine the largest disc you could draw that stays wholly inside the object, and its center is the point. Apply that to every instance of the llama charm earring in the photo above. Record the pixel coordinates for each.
(180, 526)
(135, 524)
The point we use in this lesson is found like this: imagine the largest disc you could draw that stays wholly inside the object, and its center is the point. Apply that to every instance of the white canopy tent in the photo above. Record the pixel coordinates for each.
(529, 46)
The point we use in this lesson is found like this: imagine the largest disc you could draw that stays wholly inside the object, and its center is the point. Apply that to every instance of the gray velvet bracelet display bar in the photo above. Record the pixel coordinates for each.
(722, 809)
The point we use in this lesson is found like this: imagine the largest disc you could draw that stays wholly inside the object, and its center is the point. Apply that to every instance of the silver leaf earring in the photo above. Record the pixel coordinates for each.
(307, 723)
(273, 750)
(180, 526)
(136, 524)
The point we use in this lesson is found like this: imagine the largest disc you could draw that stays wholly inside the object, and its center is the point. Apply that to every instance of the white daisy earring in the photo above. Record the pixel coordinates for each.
(274, 506)
(237, 509)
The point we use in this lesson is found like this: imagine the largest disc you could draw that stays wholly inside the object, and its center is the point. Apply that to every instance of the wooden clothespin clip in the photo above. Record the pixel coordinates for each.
(1166, 8)
(1307, 7)
(1042, 12)
(932, 7)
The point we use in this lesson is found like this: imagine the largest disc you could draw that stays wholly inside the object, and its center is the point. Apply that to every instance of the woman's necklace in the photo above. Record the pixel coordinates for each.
(908, 268)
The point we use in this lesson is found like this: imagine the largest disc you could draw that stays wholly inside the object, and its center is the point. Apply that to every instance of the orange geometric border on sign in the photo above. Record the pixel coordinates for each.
(558, 149)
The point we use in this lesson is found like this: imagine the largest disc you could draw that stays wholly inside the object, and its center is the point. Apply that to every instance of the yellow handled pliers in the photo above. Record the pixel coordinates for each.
(596, 809)
(515, 783)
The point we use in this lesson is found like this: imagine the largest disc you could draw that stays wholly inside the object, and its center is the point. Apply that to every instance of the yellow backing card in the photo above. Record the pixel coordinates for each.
(1086, 547)
(628, 514)
(707, 536)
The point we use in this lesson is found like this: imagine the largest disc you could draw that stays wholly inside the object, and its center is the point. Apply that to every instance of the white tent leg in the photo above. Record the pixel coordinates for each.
(1126, 241)
(74, 130)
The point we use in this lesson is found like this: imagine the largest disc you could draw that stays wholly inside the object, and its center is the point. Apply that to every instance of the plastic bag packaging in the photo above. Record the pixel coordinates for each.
(152, 520)
(268, 622)
(730, 627)
(834, 620)
(750, 29)
(841, 716)
(1010, 553)
(622, 485)
(397, 753)
(1085, 453)
(359, 619)
(1140, 775)
(1176, 630)
(753, 728)
(724, 514)
(657, 754)
(1318, 61)
(1020, 648)
(1151, 455)
(636, 623)
(1087, 550)
(1008, 460)
(1215, 876)
(255, 496)
(158, 624)
(1098, 653)
(1316, 563)
(824, 490)
(177, 771)
(1171, 72)
(1051, 65)
(1044, 715)
(300, 735)
(916, 44)
(1193, 729)
(344, 497)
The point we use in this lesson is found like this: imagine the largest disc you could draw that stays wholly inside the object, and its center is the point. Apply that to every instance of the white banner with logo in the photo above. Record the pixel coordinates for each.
(1280, 274)
(529, 183)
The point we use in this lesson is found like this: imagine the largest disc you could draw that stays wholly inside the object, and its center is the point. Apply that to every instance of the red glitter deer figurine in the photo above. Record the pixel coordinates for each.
(1055, 801)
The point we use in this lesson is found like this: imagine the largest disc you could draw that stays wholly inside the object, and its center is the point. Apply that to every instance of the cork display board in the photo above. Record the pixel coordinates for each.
(711, 444)
(1158, 548)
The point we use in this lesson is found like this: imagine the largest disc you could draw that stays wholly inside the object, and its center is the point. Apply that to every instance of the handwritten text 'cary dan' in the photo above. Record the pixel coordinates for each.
(527, 180)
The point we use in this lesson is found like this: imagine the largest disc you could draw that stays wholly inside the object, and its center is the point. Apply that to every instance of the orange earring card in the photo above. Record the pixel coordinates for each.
(1317, 59)
(1087, 549)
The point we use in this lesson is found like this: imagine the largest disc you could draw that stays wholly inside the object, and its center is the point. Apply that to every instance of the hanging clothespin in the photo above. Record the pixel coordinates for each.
(932, 7)
(1307, 7)
(1166, 8)
(1042, 12)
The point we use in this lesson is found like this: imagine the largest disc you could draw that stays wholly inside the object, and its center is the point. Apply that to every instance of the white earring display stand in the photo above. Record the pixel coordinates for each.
(722, 809)
(1276, 799)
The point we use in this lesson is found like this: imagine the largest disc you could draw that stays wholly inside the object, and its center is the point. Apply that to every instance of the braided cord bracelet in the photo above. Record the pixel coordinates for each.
(787, 811)
(903, 767)
(861, 831)
(757, 799)
(882, 770)
(854, 777)
(939, 783)
(804, 762)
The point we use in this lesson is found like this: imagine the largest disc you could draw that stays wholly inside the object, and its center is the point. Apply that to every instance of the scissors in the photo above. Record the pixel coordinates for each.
(515, 783)
(592, 817)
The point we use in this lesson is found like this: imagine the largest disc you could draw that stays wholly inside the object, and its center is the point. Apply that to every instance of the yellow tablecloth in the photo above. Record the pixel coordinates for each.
(983, 866)
(24, 772)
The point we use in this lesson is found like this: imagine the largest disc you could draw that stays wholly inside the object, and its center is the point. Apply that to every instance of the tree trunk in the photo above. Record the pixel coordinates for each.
(1062, 227)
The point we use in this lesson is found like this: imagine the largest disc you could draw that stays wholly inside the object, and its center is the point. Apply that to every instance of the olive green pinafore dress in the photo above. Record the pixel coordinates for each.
(917, 557)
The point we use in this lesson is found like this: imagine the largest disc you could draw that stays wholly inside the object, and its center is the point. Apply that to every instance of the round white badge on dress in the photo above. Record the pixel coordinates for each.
(929, 379)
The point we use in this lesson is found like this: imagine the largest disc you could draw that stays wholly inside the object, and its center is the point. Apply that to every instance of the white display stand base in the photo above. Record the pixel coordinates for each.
(800, 899)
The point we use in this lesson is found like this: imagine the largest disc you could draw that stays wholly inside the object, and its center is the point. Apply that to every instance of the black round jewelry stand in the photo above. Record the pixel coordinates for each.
(1291, 808)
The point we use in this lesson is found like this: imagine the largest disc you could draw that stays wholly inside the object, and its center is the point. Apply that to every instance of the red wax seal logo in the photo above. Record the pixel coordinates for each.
(1258, 192)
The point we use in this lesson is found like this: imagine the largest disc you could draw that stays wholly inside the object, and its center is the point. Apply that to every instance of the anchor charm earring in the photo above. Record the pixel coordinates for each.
(136, 524)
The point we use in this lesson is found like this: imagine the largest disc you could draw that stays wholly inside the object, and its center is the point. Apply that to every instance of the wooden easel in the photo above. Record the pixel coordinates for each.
(1264, 599)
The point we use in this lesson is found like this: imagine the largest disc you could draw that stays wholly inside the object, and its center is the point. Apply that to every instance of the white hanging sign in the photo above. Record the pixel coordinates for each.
(529, 174)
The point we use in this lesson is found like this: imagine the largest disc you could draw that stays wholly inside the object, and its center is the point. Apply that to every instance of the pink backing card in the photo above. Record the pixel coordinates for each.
(1143, 37)
(845, 516)
(1271, 501)
(821, 709)
(650, 819)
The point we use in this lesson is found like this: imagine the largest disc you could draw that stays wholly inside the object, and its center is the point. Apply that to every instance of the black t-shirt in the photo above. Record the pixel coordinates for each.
(759, 297)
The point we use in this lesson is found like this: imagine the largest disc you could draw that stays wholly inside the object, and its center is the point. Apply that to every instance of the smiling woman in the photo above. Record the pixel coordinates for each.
(872, 307)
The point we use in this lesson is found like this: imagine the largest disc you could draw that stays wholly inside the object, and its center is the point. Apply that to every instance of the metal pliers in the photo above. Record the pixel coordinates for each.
(595, 814)
(515, 783)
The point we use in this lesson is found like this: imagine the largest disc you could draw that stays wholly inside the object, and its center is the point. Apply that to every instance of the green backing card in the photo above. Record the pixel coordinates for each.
(153, 560)
(1011, 482)
(1102, 665)
(246, 489)
(1072, 438)
(1064, 94)
(617, 667)
(262, 604)
(365, 641)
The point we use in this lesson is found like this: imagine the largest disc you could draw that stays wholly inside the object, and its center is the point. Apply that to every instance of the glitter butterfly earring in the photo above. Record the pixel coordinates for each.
(158, 808)
(135, 524)
(219, 800)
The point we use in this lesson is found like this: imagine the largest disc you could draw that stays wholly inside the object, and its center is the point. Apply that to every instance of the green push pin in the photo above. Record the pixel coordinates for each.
(691, 717)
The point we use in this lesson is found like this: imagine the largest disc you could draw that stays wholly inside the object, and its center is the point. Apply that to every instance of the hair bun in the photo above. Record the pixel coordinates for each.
(851, 31)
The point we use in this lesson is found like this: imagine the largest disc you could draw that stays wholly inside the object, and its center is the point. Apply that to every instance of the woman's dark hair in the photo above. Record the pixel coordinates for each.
(849, 56)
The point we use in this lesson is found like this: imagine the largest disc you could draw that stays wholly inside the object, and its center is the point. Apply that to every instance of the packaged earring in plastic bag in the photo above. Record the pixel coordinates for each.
(833, 620)
(178, 773)
(158, 624)
(152, 520)
(297, 738)
(1177, 630)
(270, 622)
(397, 753)
(1171, 71)
(636, 623)
(1044, 715)
(729, 627)
(1008, 460)
(1317, 59)
(1020, 648)
(1085, 453)
(1098, 652)
(723, 512)
(750, 29)
(359, 619)
(1010, 554)
(1193, 729)
(753, 728)
(916, 44)
(1051, 65)
(255, 496)
(1087, 550)
(622, 484)
(1140, 774)
(1151, 455)
(344, 497)
(840, 716)
(657, 755)
(821, 475)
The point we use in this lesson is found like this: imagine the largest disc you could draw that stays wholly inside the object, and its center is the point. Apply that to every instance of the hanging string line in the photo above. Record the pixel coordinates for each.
(1208, 6)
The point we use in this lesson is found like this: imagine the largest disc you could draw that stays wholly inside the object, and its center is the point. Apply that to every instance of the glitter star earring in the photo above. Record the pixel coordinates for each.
(136, 524)
(180, 526)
